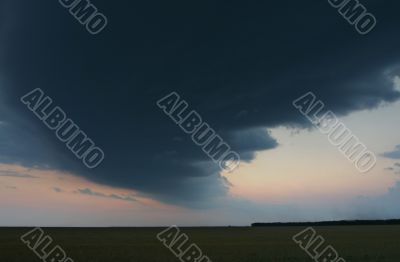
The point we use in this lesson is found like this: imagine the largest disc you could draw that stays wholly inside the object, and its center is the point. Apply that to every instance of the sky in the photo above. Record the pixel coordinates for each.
(239, 65)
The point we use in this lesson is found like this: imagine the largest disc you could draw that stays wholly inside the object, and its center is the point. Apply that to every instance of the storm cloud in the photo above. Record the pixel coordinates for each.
(239, 64)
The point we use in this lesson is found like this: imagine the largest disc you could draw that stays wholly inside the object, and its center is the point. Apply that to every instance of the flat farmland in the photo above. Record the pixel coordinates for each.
(220, 244)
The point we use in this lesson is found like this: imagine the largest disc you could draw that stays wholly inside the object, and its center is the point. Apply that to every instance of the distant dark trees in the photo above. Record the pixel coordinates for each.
(332, 223)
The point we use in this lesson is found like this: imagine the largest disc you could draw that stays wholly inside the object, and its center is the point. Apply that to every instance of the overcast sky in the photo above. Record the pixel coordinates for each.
(239, 64)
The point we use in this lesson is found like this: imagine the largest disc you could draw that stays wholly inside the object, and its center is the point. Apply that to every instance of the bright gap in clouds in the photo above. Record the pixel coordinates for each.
(305, 168)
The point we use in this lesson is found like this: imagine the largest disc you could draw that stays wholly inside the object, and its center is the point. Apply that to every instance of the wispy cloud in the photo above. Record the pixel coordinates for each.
(125, 198)
(88, 191)
(57, 189)
(9, 173)
(395, 168)
(395, 154)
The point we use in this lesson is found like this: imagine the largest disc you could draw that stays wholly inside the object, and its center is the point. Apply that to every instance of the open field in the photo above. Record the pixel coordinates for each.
(246, 244)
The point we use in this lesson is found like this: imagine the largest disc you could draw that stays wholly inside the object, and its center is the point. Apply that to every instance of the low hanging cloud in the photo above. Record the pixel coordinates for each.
(57, 189)
(89, 192)
(9, 173)
(385, 206)
(395, 154)
(240, 68)
(395, 168)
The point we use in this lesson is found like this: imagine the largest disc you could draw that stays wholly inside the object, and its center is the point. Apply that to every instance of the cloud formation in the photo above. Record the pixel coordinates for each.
(239, 67)
(57, 189)
(9, 173)
(395, 154)
(87, 191)
(395, 168)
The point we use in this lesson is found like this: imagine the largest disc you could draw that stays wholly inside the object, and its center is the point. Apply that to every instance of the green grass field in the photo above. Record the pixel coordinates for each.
(353, 243)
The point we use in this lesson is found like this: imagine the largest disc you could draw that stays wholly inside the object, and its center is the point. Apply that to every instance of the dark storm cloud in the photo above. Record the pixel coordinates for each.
(247, 142)
(239, 64)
